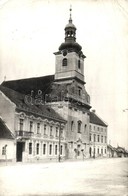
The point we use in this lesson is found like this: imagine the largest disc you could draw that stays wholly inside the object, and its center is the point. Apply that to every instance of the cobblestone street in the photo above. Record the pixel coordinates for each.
(90, 177)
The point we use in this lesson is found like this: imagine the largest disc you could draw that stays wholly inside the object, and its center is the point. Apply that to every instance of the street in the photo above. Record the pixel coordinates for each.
(107, 177)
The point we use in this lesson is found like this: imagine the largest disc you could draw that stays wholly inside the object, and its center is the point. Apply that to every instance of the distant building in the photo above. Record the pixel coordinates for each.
(7, 143)
(98, 136)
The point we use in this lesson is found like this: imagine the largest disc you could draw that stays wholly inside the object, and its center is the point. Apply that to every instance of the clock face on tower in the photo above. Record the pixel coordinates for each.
(64, 52)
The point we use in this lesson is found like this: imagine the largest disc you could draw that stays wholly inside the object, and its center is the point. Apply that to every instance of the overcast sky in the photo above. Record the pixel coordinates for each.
(31, 30)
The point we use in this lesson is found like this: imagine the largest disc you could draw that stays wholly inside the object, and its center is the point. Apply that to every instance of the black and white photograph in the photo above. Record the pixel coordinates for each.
(63, 97)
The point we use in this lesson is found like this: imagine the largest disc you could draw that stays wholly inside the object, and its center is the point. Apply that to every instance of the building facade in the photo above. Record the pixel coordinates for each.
(39, 132)
(98, 136)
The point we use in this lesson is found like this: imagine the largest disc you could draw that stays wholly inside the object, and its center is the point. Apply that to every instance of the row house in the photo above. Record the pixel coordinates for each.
(39, 131)
(98, 136)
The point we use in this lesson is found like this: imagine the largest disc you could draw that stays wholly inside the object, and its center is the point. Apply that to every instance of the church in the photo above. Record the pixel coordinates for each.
(50, 116)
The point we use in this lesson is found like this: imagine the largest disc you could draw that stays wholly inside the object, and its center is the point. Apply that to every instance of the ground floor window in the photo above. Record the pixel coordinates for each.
(37, 148)
(61, 149)
(30, 148)
(105, 150)
(50, 149)
(55, 149)
(98, 151)
(44, 148)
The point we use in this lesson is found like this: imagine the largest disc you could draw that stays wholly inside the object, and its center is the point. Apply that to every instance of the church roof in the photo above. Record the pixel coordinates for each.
(25, 86)
(32, 107)
(94, 119)
(5, 133)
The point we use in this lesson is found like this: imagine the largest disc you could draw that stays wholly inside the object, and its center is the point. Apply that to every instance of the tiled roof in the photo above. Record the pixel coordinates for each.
(37, 110)
(5, 133)
(25, 86)
(94, 119)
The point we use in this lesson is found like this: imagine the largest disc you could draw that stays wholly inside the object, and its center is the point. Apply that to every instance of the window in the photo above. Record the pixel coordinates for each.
(38, 128)
(3, 150)
(85, 128)
(61, 149)
(64, 62)
(72, 124)
(90, 127)
(71, 144)
(80, 91)
(45, 127)
(98, 138)
(90, 137)
(101, 151)
(105, 150)
(78, 64)
(98, 128)
(94, 127)
(30, 148)
(31, 126)
(56, 131)
(79, 126)
(44, 148)
(37, 148)
(101, 139)
(94, 137)
(21, 124)
(61, 132)
(50, 130)
(55, 149)
(50, 149)
(98, 151)
(105, 139)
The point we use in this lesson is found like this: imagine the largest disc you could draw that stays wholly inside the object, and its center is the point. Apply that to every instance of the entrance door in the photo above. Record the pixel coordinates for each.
(19, 151)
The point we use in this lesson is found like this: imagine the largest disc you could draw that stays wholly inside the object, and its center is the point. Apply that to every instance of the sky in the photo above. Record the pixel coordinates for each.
(32, 30)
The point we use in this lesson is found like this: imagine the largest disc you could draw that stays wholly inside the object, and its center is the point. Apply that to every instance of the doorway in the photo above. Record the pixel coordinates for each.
(19, 151)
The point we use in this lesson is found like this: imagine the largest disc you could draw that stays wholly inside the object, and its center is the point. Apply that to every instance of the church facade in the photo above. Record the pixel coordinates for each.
(66, 101)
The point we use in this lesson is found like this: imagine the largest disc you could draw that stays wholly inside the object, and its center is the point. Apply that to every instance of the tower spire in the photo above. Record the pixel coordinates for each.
(70, 19)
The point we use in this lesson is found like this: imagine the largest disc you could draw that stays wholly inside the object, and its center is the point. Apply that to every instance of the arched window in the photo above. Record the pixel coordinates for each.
(64, 62)
(72, 125)
(79, 126)
(79, 66)
(85, 128)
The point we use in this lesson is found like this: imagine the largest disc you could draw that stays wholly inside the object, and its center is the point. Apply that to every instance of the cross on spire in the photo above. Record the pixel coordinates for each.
(70, 19)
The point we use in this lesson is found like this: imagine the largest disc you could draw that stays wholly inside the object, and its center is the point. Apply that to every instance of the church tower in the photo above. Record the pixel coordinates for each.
(70, 58)
(69, 96)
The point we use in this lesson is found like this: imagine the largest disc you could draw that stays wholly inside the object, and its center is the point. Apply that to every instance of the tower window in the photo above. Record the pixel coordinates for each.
(80, 91)
(64, 62)
(79, 126)
(72, 124)
(79, 64)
